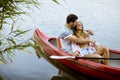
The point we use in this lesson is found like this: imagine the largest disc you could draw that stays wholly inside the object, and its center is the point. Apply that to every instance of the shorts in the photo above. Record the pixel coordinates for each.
(87, 50)
(84, 50)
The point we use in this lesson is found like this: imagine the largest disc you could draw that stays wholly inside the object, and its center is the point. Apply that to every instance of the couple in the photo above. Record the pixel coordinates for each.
(76, 40)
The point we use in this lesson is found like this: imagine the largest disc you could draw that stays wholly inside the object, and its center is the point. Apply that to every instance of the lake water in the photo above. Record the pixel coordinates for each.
(101, 16)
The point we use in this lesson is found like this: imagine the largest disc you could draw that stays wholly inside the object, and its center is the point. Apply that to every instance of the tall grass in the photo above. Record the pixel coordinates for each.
(11, 36)
(10, 33)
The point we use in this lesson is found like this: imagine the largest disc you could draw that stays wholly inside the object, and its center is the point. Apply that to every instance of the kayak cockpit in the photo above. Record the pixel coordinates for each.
(115, 63)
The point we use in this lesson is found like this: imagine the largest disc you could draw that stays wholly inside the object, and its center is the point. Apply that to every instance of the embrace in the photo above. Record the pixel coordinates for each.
(77, 41)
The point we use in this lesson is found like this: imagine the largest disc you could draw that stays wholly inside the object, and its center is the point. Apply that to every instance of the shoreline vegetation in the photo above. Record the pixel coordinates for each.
(13, 39)
(11, 35)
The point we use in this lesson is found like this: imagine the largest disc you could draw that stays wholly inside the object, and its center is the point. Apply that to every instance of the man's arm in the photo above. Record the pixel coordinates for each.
(79, 40)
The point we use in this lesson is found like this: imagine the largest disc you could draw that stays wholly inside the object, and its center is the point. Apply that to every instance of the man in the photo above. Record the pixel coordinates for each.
(67, 37)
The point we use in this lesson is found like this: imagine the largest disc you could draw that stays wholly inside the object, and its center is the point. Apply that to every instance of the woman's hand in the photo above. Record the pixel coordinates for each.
(90, 32)
(92, 41)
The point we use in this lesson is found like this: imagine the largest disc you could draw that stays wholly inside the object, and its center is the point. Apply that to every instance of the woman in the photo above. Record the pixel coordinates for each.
(88, 49)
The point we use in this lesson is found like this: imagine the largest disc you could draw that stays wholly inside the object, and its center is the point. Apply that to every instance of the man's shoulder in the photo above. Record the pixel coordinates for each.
(65, 32)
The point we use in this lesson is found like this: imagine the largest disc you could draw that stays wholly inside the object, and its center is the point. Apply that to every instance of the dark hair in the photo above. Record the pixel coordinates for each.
(71, 18)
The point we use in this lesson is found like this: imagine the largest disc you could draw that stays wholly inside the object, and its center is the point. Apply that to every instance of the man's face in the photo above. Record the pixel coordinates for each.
(75, 23)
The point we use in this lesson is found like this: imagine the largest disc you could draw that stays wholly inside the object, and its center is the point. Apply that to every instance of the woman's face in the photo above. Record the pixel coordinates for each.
(79, 26)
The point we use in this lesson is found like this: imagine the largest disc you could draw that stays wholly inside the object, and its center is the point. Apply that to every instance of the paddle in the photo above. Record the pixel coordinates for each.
(73, 57)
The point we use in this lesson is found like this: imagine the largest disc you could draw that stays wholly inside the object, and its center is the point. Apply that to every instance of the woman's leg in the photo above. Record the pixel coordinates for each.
(75, 49)
(104, 52)
(94, 56)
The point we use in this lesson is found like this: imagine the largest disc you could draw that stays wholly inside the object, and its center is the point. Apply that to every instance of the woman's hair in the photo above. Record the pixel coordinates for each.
(71, 18)
(75, 30)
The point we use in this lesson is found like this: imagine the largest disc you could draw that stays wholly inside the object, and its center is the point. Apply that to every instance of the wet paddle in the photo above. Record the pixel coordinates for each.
(73, 57)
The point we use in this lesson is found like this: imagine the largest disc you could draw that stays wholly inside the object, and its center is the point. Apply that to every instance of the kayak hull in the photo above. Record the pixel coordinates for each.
(47, 46)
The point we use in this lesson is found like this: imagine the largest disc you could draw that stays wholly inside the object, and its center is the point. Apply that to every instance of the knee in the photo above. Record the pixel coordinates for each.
(105, 48)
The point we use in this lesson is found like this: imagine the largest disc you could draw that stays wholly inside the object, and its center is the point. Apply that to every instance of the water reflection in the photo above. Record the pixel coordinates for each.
(60, 78)
(65, 76)
(1, 78)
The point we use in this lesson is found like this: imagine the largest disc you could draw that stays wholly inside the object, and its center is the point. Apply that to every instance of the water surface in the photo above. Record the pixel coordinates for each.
(101, 16)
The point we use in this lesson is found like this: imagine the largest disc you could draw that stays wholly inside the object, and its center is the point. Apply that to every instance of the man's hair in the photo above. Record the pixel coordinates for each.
(71, 18)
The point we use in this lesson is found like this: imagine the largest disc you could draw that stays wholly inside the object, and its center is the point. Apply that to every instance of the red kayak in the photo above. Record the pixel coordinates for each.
(47, 46)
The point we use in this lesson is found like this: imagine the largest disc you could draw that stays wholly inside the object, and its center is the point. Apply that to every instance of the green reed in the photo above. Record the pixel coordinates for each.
(11, 34)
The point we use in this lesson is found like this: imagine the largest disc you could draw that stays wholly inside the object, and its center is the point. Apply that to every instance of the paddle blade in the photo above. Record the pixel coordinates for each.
(61, 57)
(73, 57)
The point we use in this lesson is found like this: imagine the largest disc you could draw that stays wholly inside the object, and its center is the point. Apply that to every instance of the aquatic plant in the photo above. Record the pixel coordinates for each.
(12, 35)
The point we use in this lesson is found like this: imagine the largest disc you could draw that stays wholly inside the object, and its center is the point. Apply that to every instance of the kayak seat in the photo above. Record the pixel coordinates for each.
(59, 43)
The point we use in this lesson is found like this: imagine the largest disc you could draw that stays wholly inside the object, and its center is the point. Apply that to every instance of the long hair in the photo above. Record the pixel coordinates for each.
(83, 33)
